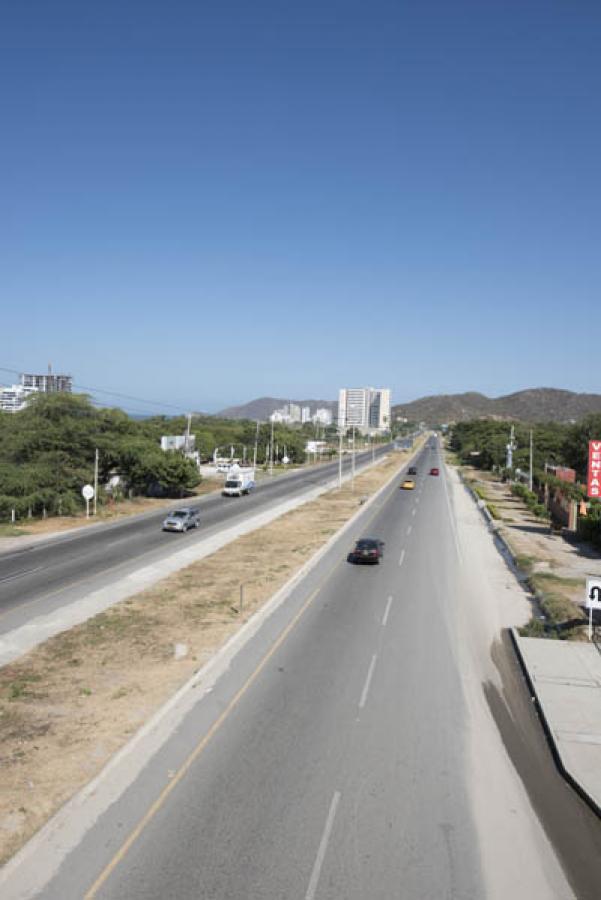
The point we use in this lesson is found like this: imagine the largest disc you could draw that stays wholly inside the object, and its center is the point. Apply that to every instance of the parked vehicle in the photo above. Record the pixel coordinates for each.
(367, 550)
(181, 520)
(238, 481)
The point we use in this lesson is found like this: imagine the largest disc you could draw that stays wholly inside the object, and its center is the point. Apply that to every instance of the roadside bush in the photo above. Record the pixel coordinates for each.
(531, 500)
(589, 527)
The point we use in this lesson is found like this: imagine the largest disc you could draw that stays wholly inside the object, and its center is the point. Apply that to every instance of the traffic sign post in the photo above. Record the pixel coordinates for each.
(87, 493)
(593, 600)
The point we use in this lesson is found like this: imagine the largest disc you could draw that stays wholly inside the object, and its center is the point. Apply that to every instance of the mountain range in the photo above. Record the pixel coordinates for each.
(532, 405)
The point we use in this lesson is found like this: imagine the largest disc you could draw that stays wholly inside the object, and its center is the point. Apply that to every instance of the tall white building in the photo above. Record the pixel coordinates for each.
(323, 416)
(368, 409)
(305, 414)
(49, 383)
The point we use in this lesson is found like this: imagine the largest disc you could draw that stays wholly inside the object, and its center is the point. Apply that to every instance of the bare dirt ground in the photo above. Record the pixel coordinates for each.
(70, 704)
(556, 565)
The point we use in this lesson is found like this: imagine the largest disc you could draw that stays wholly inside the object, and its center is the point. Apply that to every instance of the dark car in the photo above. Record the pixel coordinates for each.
(181, 520)
(367, 550)
(434, 471)
(412, 470)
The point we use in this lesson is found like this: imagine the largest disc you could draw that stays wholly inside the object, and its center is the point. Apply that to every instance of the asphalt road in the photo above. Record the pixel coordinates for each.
(50, 567)
(331, 762)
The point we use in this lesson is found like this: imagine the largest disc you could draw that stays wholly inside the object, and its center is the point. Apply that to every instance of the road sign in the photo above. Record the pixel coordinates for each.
(594, 469)
(593, 593)
(593, 600)
(87, 492)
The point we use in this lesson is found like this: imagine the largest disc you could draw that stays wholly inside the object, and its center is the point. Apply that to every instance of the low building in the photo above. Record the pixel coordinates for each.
(14, 398)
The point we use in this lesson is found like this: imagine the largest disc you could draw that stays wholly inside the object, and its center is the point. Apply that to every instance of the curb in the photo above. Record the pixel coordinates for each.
(506, 551)
(61, 833)
(23, 638)
(556, 753)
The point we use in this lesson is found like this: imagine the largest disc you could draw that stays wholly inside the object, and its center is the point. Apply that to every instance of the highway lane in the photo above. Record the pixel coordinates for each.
(339, 767)
(39, 570)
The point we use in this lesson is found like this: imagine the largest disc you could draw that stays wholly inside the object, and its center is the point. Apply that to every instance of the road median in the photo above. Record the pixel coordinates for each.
(69, 705)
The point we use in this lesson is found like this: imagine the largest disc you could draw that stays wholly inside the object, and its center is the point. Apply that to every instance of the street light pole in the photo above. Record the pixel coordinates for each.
(353, 463)
(531, 457)
(96, 480)
(271, 451)
(256, 445)
(340, 459)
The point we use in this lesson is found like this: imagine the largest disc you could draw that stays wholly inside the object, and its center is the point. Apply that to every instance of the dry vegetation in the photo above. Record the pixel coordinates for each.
(68, 705)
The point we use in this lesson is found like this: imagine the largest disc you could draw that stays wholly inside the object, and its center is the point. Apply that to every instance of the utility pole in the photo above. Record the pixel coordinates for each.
(188, 427)
(340, 459)
(271, 451)
(353, 463)
(96, 480)
(256, 445)
(510, 449)
(531, 458)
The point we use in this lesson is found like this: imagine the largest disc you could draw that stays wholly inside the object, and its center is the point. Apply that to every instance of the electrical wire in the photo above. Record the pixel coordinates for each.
(96, 390)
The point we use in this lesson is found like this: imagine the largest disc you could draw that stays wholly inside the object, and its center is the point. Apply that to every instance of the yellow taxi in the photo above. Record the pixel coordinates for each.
(408, 484)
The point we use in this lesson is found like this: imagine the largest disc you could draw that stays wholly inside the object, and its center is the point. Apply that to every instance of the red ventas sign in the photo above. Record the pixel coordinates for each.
(594, 469)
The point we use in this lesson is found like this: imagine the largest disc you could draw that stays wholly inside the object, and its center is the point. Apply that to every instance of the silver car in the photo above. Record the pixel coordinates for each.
(181, 520)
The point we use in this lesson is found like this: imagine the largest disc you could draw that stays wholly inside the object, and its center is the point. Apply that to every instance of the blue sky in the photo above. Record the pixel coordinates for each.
(204, 203)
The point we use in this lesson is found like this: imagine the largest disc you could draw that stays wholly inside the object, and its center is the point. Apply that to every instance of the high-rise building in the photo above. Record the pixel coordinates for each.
(47, 384)
(305, 414)
(323, 416)
(367, 409)
(294, 411)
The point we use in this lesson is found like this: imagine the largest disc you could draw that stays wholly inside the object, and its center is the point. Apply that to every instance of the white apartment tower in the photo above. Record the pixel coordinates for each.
(368, 409)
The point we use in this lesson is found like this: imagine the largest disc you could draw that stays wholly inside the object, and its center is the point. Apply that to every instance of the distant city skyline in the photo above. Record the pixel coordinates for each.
(207, 207)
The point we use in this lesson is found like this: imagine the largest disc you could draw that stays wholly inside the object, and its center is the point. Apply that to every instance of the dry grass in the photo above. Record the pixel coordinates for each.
(67, 706)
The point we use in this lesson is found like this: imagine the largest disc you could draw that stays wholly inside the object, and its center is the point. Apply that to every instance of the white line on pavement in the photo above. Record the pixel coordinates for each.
(386, 611)
(370, 672)
(402, 557)
(323, 846)
(451, 516)
(412, 512)
(409, 529)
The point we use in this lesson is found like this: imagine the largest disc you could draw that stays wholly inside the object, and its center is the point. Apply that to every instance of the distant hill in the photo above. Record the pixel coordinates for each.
(262, 408)
(533, 405)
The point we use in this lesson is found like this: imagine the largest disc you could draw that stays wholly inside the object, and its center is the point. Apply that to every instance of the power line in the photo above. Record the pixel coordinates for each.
(97, 390)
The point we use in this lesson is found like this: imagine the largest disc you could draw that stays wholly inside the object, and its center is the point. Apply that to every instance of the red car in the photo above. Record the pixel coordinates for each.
(434, 471)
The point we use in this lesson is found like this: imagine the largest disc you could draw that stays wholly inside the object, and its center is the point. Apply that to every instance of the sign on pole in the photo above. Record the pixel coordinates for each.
(593, 600)
(87, 492)
(594, 469)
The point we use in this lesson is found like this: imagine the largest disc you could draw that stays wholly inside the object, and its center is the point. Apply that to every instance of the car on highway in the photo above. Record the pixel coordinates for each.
(434, 471)
(408, 484)
(412, 470)
(367, 550)
(181, 520)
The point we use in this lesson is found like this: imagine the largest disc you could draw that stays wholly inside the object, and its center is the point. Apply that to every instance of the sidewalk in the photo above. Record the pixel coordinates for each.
(565, 678)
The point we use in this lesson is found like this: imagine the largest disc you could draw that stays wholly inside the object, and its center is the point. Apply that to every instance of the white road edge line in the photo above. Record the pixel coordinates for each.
(323, 846)
(370, 672)
(451, 516)
(386, 612)
(402, 557)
